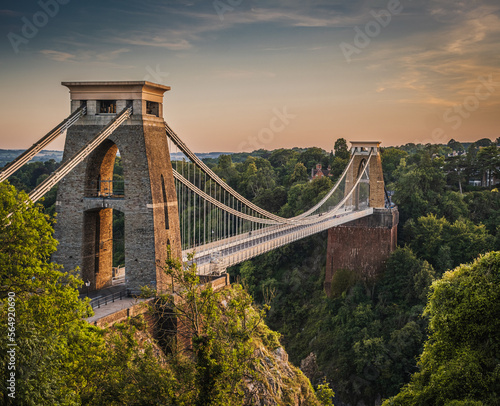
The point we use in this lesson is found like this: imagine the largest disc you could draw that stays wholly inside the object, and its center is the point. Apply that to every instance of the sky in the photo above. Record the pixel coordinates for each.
(262, 74)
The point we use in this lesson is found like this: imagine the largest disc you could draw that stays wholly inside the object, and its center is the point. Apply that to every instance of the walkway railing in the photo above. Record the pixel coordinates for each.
(103, 301)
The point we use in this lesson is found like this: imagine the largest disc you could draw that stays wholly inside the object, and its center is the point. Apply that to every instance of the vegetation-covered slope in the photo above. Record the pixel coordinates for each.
(51, 356)
(366, 340)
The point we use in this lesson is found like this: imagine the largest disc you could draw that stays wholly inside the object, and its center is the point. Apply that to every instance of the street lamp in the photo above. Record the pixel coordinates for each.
(87, 284)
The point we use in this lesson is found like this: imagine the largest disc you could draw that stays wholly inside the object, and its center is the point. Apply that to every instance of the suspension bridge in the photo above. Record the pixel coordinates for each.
(180, 207)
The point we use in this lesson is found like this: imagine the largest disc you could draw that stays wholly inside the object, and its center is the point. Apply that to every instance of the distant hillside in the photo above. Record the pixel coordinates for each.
(202, 155)
(8, 155)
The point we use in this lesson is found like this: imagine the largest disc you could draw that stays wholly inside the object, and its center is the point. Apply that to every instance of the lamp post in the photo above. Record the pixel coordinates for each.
(87, 284)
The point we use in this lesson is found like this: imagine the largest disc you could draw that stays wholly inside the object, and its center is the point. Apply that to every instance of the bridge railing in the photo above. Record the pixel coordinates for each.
(106, 188)
(104, 300)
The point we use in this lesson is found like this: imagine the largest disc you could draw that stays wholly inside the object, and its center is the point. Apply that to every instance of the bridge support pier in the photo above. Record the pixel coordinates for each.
(362, 246)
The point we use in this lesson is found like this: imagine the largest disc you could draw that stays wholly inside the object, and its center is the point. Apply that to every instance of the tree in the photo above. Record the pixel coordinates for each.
(303, 196)
(341, 150)
(391, 158)
(299, 174)
(489, 162)
(225, 331)
(31, 175)
(483, 142)
(455, 166)
(445, 244)
(453, 206)
(459, 364)
(60, 359)
(46, 303)
(472, 169)
(419, 185)
(312, 156)
(283, 162)
(281, 157)
(339, 161)
(325, 394)
(484, 207)
(258, 174)
(271, 199)
(455, 146)
(406, 279)
(226, 170)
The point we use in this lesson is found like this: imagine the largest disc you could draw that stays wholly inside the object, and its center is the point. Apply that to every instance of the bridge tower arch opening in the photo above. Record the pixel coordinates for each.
(92, 195)
(360, 198)
(103, 227)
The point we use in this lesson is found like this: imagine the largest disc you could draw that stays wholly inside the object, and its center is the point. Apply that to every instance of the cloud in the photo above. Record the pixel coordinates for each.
(157, 40)
(89, 57)
(472, 32)
(180, 26)
(439, 67)
(58, 56)
(454, 11)
(108, 56)
(289, 17)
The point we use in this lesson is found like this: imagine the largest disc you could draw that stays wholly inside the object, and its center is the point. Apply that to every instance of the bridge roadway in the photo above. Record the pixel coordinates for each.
(215, 257)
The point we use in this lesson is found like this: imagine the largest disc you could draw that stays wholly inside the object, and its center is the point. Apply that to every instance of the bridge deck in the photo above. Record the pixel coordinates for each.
(216, 256)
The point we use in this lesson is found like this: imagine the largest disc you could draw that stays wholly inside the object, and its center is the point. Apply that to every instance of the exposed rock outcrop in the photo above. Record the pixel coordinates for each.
(277, 382)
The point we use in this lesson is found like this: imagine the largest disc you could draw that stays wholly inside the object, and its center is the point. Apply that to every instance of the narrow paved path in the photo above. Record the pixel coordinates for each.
(113, 307)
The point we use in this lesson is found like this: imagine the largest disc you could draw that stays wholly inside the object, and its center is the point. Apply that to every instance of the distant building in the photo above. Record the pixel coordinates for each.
(318, 172)
(456, 153)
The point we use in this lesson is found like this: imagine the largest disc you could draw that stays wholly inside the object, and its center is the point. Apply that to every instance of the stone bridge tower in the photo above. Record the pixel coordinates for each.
(147, 198)
(363, 246)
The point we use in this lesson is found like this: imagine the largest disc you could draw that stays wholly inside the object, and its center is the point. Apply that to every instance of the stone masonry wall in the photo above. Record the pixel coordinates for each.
(362, 246)
(144, 150)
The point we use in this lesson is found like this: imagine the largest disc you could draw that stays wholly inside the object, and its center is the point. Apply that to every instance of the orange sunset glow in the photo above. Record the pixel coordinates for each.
(263, 74)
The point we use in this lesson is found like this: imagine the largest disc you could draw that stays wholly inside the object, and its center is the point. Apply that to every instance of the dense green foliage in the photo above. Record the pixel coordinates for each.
(459, 364)
(444, 244)
(45, 329)
(225, 331)
(29, 176)
(57, 358)
(368, 336)
(60, 359)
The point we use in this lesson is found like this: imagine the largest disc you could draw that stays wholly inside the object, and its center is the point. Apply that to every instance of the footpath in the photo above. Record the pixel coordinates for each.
(113, 311)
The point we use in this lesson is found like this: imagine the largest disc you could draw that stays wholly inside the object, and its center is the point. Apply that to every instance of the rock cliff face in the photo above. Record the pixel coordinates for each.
(277, 382)
(273, 381)
(263, 375)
